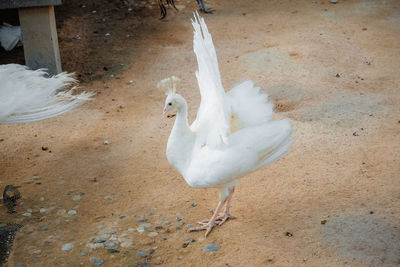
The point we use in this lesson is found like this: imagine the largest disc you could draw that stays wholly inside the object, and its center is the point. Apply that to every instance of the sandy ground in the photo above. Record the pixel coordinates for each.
(337, 192)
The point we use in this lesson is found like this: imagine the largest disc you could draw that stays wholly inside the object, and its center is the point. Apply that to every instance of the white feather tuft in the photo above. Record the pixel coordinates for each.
(30, 95)
(168, 85)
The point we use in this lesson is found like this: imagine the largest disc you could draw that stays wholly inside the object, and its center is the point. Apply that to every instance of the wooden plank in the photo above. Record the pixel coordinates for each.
(4, 4)
(39, 35)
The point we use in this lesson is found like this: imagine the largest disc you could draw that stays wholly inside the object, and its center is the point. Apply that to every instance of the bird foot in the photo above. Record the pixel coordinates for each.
(208, 225)
(205, 226)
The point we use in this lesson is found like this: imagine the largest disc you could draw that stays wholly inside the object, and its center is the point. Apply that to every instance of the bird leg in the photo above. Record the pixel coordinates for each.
(203, 7)
(217, 218)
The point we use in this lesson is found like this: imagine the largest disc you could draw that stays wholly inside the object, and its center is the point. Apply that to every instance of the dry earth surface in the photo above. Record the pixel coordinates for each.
(332, 69)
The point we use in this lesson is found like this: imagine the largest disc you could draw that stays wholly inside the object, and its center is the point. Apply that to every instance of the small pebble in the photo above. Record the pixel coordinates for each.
(142, 220)
(146, 225)
(97, 261)
(106, 142)
(112, 232)
(211, 248)
(289, 234)
(29, 181)
(126, 244)
(190, 240)
(153, 234)
(122, 217)
(141, 254)
(334, 1)
(76, 198)
(36, 177)
(99, 239)
(84, 253)
(107, 34)
(164, 238)
(189, 225)
(212, 210)
(18, 265)
(151, 250)
(67, 247)
(108, 198)
(323, 221)
(166, 223)
(27, 214)
(42, 210)
(194, 204)
(94, 11)
(41, 198)
(109, 244)
(140, 229)
(72, 212)
(112, 250)
(131, 81)
(337, 75)
(150, 213)
(44, 228)
(178, 219)
(178, 228)
(368, 63)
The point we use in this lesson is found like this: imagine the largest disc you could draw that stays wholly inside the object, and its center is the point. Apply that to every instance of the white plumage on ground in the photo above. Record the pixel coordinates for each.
(232, 134)
(30, 95)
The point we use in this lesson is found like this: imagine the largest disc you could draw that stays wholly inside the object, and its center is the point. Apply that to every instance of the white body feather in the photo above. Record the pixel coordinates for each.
(232, 134)
(27, 95)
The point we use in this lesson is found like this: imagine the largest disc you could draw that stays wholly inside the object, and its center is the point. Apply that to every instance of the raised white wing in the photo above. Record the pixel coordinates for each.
(27, 95)
(213, 117)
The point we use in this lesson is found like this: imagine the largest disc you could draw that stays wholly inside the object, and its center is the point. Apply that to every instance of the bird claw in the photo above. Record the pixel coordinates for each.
(206, 226)
(207, 10)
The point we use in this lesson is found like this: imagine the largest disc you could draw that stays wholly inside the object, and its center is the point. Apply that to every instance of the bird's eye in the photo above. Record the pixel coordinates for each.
(169, 104)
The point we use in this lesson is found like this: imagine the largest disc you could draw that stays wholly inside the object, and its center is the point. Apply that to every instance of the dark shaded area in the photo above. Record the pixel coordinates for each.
(10, 197)
(7, 235)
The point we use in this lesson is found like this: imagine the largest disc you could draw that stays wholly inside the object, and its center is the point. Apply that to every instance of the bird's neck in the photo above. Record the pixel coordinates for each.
(181, 140)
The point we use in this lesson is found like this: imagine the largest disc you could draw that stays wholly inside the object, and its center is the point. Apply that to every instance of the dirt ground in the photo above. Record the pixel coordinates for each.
(332, 69)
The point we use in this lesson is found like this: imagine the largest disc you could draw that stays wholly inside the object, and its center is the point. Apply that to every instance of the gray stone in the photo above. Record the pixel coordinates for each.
(44, 228)
(112, 250)
(97, 261)
(194, 204)
(146, 225)
(18, 265)
(67, 247)
(211, 248)
(42, 210)
(84, 253)
(151, 250)
(99, 239)
(150, 213)
(108, 198)
(72, 212)
(27, 214)
(29, 181)
(109, 244)
(190, 240)
(178, 219)
(142, 220)
(178, 228)
(76, 198)
(126, 244)
(141, 254)
(166, 223)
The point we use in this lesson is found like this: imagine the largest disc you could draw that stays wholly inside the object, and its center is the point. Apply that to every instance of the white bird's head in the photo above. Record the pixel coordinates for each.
(174, 102)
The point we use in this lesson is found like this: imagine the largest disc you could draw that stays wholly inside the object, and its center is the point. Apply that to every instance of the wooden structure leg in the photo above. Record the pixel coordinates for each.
(39, 34)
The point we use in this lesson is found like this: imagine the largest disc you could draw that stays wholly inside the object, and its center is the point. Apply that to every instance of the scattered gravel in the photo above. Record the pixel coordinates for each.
(126, 244)
(97, 261)
(72, 212)
(141, 254)
(211, 248)
(67, 247)
(109, 244)
(112, 250)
